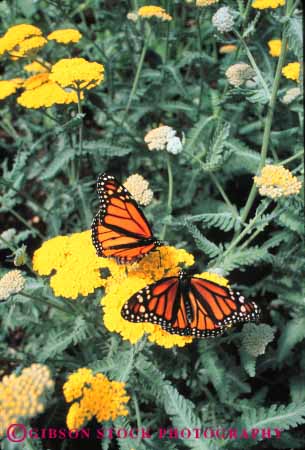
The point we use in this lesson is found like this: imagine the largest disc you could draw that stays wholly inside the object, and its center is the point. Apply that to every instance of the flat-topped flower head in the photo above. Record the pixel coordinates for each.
(239, 73)
(11, 283)
(151, 11)
(139, 189)
(292, 71)
(46, 95)
(163, 138)
(15, 35)
(9, 87)
(120, 288)
(28, 47)
(229, 48)
(23, 397)
(77, 73)
(223, 19)
(93, 396)
(204, 3)
(276, 182)
(265, 4)
(65, 36)
(275, 46)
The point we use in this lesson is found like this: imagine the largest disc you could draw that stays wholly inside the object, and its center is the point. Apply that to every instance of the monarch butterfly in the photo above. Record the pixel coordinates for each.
(120, 229)
(189, 306)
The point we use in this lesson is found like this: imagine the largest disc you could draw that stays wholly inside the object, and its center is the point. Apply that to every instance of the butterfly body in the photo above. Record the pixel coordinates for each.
(120, 229)
(189, 306)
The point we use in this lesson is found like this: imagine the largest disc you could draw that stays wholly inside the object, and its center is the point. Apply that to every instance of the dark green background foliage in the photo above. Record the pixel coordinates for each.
(254, 376)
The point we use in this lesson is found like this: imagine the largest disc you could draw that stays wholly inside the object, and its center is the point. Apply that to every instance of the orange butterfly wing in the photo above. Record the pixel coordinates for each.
(189, 307)
(120, 230)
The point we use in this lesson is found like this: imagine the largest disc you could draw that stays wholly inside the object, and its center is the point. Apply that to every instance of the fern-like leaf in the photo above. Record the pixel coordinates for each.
(182, 415)
(203, 244)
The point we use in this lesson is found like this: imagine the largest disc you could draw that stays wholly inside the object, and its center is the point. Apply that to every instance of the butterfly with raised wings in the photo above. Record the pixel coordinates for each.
(189, 306)
(120, 229)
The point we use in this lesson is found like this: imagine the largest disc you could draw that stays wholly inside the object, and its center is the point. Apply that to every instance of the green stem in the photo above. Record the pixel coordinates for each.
(21, 219)
(224, 195)
(137, 76)
(170, 194)
(198, 23)
(13, 250)
(217, 184)
(47, 301)
(246, 13)
(245, 231)
(292, 158)
(253, 63)
(28, 197)
(80, 132)
(268, 122)
(138, 416)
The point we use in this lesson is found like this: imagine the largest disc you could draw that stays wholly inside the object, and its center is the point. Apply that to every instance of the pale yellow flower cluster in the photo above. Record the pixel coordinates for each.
(11, 283)
(93, 396)
(204, 3)
(276, 182)
(23, 396)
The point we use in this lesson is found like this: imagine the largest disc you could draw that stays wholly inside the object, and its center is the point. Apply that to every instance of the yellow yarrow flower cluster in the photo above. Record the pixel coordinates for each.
(147, 12)
(65, 36)
(265, 4)
(77, 272)
(23, 396)
(292, 71)
(120, 288)
(275, 46)
(28, 47)
(76, 264)
(276, 182)
(203, 3)
(94, 396)
(9, 87)
(16, 35)
(41, 92)
(77, 73)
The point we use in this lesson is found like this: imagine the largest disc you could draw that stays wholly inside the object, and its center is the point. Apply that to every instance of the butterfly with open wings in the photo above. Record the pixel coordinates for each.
(120, 229)
(189, 306)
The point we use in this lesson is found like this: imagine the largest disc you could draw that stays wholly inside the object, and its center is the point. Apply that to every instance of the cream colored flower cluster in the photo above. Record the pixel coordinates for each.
(11, 283)
(139, 189)
(239, 73)
(163, 138)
